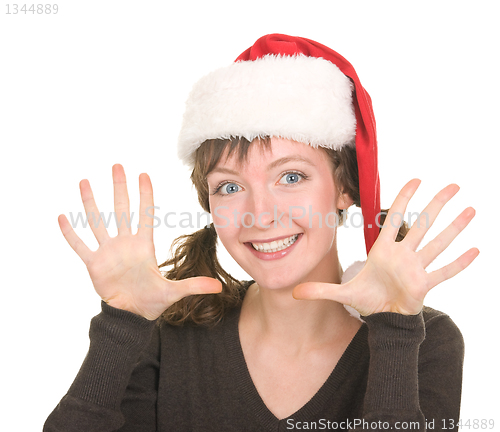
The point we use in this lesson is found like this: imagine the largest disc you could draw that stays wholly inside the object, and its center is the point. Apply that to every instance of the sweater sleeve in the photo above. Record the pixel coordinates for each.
(116, 386)
(440, 373)
(415, 372)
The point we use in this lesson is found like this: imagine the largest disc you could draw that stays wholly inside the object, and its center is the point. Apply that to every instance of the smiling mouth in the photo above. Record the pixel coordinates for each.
(275, 246)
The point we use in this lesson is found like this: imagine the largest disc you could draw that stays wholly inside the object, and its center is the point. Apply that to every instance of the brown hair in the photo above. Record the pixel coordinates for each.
(196, 254)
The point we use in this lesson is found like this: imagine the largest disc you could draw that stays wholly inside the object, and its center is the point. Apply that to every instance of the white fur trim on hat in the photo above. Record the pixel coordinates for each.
(305, 99)
(349, 274)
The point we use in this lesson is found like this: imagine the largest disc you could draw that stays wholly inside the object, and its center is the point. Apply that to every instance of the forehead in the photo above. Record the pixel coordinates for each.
(278, 150)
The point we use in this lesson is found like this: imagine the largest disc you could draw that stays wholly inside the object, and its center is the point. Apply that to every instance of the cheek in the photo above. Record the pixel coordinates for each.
(326, 199)
(223, 218)
(315, 206)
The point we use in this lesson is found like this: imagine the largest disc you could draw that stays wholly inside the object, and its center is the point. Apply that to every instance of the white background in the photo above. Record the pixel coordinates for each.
(104, 82)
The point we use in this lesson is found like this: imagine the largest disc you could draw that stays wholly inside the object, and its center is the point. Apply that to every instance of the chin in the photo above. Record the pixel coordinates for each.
(277, 280)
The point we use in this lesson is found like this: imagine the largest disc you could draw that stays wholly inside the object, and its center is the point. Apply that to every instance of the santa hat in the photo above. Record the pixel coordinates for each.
(293, 88)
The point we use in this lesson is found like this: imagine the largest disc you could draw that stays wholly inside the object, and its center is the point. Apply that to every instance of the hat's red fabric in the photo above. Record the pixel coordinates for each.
(366, 136)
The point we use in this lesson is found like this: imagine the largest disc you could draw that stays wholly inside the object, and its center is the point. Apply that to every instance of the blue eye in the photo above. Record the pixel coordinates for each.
(228, 188)
(291, 178)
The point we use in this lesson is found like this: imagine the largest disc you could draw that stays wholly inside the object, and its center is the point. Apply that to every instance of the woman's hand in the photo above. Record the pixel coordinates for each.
(123, 269)
(394, 277)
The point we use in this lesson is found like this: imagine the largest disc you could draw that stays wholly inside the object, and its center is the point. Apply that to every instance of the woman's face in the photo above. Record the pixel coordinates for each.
(276, 213)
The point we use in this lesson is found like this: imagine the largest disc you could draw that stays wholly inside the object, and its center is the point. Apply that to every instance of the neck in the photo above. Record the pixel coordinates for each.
(293, 324)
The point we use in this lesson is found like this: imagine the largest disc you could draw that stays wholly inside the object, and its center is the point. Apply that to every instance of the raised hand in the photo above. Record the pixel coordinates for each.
(124, 270)
(394, 277)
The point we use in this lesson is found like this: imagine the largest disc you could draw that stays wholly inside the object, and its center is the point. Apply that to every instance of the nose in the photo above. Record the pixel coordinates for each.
(261, 210)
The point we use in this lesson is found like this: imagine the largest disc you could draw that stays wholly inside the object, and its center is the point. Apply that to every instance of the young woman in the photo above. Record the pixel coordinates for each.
(281, 143)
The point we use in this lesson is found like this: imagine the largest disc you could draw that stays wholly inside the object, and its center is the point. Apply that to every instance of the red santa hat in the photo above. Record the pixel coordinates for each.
(293, 88)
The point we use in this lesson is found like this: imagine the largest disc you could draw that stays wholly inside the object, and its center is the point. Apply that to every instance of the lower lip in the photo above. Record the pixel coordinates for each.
(273, 255)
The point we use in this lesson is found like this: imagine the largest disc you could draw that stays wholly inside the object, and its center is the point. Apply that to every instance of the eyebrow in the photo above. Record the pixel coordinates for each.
(284, 160)
(272, 165)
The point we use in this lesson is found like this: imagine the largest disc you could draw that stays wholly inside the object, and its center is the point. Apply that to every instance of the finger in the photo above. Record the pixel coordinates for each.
(428, 216)
(122, 205)
(447, 272)
(395, 215)
(192, 286)
(73, 240)
(430, 251)
(146, 207)
(321, 291)
(93, 216)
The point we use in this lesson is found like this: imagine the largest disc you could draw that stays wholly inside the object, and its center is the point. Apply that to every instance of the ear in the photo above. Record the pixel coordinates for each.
(344, 201)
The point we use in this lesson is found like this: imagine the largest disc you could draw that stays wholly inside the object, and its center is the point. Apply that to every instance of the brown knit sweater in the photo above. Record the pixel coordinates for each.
(399, 372)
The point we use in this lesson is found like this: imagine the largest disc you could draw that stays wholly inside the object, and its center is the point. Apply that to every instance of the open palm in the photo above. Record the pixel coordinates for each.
(124, 270)
(393, 278)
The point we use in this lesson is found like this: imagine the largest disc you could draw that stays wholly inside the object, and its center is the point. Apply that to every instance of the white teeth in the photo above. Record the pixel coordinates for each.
(275, 246)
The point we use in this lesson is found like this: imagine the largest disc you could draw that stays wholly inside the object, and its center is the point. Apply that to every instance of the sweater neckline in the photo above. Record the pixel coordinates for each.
(251, 398)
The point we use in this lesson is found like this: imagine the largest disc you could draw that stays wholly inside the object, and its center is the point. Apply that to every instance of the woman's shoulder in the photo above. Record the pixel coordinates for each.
(441, 332)
(199, 345)
(437, 320)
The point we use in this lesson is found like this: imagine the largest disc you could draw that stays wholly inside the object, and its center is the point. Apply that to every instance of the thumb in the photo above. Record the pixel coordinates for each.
(192, 286)
(322, 291)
